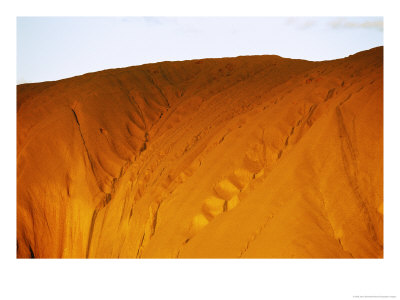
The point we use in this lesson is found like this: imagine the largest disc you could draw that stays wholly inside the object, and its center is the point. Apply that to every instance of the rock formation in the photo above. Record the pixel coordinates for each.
(252, 157)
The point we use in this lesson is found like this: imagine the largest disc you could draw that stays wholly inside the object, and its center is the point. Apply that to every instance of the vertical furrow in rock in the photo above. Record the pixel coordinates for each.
(31, 252)
(139, 249)
(154, 223)
(349, 159)
(86, 149)
(91, 228)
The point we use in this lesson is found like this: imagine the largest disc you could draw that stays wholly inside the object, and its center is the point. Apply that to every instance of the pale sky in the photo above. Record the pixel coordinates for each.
(52, 48)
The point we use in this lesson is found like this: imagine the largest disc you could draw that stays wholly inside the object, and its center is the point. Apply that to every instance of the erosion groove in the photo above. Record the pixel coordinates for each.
(253, 156)
(86, 149)
(89, 242)
(330, 94)
(349, 158)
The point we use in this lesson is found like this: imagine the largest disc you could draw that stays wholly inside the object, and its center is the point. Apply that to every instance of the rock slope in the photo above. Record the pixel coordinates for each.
(253, 157)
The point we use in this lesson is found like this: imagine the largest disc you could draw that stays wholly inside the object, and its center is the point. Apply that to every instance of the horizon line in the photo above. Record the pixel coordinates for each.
(193, 59)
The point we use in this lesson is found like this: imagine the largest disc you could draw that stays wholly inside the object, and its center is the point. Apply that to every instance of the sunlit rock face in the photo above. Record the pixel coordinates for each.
(252, 157)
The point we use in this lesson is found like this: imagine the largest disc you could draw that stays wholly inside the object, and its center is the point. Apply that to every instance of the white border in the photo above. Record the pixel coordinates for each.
(199, 279)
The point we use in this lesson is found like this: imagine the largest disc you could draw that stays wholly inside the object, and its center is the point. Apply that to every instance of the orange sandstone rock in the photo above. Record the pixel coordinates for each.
(255, 156)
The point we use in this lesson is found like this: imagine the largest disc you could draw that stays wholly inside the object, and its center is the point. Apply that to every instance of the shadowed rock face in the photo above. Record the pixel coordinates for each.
(256, 156)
